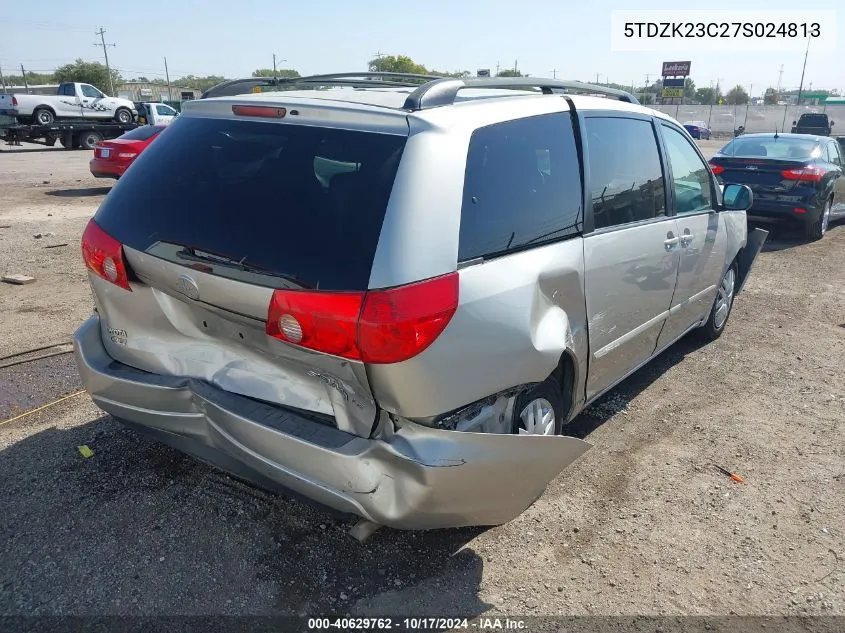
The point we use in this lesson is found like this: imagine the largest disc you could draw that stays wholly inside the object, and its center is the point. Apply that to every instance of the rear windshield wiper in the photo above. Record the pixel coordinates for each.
(192, 254)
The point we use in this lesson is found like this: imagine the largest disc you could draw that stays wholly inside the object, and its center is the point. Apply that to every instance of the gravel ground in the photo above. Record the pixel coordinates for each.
(642, 524)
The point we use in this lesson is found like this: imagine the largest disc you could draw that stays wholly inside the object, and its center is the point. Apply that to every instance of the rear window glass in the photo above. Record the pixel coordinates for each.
(522, 186)
(142, 133)
(305, 203)
(813, 119)
(771, 147)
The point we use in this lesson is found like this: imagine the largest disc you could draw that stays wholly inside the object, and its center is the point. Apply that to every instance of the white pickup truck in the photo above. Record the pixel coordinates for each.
(71, 101)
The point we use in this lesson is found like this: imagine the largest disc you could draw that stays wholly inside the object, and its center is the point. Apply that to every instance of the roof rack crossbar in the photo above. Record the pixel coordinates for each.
(234, 87)
(442, 92)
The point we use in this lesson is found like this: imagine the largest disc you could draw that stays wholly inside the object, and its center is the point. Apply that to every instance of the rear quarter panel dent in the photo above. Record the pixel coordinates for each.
(517, 316)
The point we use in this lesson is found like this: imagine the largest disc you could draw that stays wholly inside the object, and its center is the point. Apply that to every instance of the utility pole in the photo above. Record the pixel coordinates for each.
(274, 64)
(25, 84)
(780, 79)
(748, 104)
(515, 66)
(105, 46)
(554, 73)
(2, 81)
(497, 69)
(801, 86)
(647, 77)
(167, 74)
(378, 57)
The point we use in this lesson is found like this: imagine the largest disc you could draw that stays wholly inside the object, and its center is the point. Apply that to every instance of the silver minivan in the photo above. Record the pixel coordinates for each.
(392, 297)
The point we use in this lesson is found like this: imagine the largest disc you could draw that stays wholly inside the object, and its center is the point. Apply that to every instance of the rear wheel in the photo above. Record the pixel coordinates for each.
(123, 116)
(540, 410)
(43, 116)
(89, 140)
(722, 305)
(816, 230)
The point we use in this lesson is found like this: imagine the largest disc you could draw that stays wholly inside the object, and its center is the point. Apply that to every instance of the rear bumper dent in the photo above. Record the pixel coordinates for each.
(418, 478)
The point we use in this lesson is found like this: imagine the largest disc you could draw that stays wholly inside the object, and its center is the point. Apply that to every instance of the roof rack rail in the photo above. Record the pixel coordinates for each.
(234, 87)
(442, 92)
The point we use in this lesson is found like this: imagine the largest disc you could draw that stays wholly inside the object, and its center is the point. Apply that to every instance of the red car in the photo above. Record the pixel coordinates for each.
(112, 158)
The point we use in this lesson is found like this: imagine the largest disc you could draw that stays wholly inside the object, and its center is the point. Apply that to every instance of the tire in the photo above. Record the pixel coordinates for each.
(717, 320)
(546, 395)
(43, 116)
(89, 140)
(123, 116)
(815, 231)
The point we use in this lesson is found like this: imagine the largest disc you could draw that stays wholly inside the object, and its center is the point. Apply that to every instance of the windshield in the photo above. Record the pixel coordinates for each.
(141, 133)
(299, 202)
(813, 119)
(770, 147)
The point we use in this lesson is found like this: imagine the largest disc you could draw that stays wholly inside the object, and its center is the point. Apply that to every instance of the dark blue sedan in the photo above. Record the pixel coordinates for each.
(795, 178)
(698, 129)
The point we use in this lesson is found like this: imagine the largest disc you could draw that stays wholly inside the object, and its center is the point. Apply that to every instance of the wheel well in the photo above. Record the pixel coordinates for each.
(43, 107)
(565, 373)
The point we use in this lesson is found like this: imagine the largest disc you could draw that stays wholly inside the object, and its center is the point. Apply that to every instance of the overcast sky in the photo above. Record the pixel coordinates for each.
(203, 37)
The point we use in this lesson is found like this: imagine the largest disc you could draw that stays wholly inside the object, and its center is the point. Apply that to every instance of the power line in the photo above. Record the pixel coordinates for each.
(105, 46)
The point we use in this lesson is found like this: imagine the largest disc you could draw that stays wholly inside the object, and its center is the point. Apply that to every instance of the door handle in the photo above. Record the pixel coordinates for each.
(686, 239)
(670, 241)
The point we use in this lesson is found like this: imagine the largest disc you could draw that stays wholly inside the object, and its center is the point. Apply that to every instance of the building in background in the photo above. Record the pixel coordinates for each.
(148, 91)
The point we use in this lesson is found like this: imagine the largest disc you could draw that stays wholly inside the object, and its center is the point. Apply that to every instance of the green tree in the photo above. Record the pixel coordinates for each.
(200, 83)
(509, 72)
(93, 73)
(396, 64)
(771, 96)
(32, 79)
(458, 74)
(707, 96)
(689, 88)
(737, 96)
(646, 98)
(281, 72)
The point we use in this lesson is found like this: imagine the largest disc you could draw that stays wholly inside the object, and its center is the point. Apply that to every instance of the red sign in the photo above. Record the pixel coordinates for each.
(676, 69)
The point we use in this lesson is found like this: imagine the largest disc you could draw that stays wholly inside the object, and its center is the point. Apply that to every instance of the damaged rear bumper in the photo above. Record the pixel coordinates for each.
(417, 478)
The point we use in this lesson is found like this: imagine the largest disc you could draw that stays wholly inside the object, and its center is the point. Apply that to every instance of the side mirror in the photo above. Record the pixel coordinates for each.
(795, 123)
(831, 124)
(737, 197)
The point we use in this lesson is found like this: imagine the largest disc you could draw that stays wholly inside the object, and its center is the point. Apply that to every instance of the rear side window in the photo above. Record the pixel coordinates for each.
(833, 153)
(522, 186)
(626, 178)
(287, 201)
(165, 110)
(142, 133)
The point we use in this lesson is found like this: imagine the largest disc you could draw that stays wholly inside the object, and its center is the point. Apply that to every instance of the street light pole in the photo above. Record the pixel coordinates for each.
(801, 86)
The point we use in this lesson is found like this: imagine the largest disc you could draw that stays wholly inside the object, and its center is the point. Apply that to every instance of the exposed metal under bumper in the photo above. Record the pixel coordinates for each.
(418, 478)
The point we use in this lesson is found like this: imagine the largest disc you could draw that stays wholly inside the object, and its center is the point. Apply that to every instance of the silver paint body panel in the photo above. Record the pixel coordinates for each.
(186, 355)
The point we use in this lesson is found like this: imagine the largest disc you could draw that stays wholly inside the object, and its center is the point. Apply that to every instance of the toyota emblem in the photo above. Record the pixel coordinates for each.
(188, 287)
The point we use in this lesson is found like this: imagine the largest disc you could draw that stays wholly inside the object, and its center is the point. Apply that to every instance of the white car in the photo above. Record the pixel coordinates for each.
(155, 113)
(71, 101)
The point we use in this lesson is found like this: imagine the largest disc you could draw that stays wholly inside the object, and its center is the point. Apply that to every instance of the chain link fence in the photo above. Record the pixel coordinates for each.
(723, 120)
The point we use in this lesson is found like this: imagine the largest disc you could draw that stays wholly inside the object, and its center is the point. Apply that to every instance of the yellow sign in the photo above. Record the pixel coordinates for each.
(674, 93)
(257, 89)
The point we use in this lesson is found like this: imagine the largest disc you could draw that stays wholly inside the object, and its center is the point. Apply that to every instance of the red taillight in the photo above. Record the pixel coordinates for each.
(807, 174)
(378, 326)
(103, 255)
(14, 101)
(127, 154)
(271, 112)
(717, 169)
(799, 210)
(399, 323)
(322, 321)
